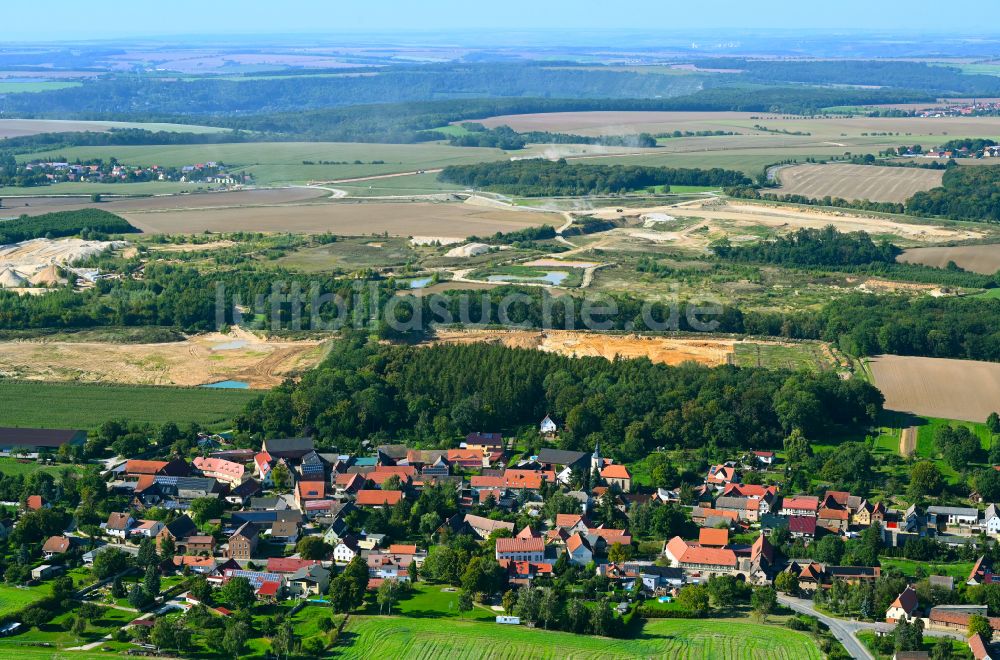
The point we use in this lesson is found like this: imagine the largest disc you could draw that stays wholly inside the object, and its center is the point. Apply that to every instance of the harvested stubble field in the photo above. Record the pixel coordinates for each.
(19, 127)
(398, 637)
(197, 361)
(935, 387)
(871, 182)
(240, 199)
(983, 259)
(451, 220)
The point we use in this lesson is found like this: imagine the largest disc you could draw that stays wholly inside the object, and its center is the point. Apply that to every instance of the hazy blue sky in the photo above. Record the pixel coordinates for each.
(76, 19)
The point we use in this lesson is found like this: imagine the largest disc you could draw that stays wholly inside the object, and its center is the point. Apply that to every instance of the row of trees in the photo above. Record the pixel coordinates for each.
(538, 177)
(813, 247)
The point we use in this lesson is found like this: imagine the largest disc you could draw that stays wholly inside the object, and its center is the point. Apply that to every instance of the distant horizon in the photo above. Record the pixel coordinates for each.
(60, 21)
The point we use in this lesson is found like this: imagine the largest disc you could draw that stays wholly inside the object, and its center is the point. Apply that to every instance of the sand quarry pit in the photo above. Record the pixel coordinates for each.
(663, 350)
(200, 360)
(743, 215)
(936, 387)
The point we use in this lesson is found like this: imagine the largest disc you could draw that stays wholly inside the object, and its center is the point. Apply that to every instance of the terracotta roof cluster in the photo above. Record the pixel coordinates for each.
(802, 503)
(686, 553)
(220, 467)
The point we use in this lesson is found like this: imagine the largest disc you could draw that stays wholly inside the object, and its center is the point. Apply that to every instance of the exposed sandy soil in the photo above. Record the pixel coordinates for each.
(664, 350)
(936, 387)
(983, 259)
(199, 360)
(878, 184)
(450, 220)
(192, 247)
(739, 214)
(908, 441)
(235, 199)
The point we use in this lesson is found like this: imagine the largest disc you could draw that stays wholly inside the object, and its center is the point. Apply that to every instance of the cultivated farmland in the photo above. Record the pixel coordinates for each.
(451, 220)
(935, 387)
(19, 127)
(983, 259)
(663, 638)
(72, 405)
(878, 184)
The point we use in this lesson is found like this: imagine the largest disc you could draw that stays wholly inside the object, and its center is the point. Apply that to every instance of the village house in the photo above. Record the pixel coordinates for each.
(200, 565)
(835, 521)
(147, 528)
(547, 427)
(520, 549)
(800, 506)
(200, 543)
(178, 530)
(991, 520)
(55, 545)
(745, 508)
(579, 550)
(483, 527)
(378, 498)
(764, 458)
(982, 572)
(308, 581)
(940, 517)
(119, 525)
(703, 560)
(713, 538)
(309, 490)
(346, 550)
(903, 608)
(222, 470)
(287, 448)
(486, 442)
(720, 475)
(243, 542)
(802, 527)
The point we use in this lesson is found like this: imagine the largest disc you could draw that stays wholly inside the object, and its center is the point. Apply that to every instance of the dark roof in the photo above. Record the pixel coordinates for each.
(294, 447)
(13, 437)
(248, 488)
(560, 456)
(182, 527)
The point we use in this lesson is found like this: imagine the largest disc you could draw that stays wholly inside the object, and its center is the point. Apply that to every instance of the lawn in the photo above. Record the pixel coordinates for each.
(430, 601)
(397, 637)
(72, 405)
(55, 631)
(14, 598)
(958, 570)
(12, 466)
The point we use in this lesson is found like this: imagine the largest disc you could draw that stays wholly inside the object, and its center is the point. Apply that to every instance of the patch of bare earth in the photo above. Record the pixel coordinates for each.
(936, 387)
(200, 360)
(983, 259)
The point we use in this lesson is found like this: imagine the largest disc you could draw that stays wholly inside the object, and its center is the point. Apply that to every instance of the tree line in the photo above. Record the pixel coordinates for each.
(367, 391)
(64, 223)
(825, 246)
(538, 177)
(966, 193)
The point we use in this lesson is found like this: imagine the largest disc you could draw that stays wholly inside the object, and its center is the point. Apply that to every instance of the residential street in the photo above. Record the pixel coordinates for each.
(845, 630)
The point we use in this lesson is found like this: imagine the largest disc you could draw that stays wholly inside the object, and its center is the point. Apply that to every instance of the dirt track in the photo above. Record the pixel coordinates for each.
(197, 361)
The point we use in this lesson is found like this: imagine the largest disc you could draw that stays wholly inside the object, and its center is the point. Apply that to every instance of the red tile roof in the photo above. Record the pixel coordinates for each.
(568, 519)
(220, 467)
(288, 564)
(268, 588)
(378, 497)
(35, 502)
(833, 514)
(686, 553)
(615, 471)
(311, 490)
(57, 544)
(517, 544)
(802, 525)
(804, 503)
(135, 466)
(401, 549)
(713, 537)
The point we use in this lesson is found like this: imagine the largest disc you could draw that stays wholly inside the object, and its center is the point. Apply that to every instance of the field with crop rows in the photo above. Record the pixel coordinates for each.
(71, 405)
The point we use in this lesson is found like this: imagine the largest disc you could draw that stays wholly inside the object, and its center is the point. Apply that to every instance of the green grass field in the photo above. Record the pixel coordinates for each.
(13, 598)
(13, 466)
(396, 637)
(83, 188)
(281, 162)
(71, 405)
(773, 356)
(17, 87)
(432, 601)
(957, 570)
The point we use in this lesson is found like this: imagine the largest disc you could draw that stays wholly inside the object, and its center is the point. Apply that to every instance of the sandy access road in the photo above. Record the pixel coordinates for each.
(199, 360)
